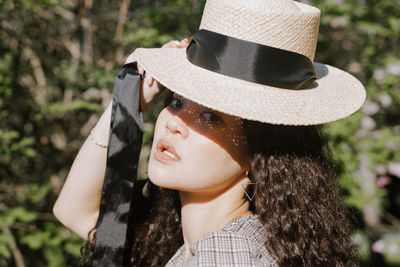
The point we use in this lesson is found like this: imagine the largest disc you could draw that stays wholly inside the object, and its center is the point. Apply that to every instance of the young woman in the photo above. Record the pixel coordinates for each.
(239, 172)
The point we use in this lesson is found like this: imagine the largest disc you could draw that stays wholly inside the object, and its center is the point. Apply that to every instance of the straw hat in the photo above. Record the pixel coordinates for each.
(283, 28)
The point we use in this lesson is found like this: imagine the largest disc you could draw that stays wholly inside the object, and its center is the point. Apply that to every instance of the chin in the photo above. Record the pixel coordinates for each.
(159, 177)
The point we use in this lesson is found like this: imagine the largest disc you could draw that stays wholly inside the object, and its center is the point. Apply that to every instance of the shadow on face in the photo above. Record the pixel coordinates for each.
(222, 129)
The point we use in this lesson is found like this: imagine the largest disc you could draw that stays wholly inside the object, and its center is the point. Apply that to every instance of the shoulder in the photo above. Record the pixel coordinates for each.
(236, 245)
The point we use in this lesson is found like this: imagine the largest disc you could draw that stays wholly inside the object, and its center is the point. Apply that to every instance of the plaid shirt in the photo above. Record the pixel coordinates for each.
(241, 243)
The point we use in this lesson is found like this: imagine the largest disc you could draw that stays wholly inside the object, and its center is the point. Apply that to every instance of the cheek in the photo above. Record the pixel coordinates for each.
(158, 173)
(158, 127)
(205, 166)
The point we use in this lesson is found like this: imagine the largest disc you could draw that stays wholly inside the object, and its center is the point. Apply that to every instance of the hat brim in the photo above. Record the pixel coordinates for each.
(334, 95)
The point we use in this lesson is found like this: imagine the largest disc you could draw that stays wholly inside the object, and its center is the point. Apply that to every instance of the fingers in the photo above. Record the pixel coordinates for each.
(171, 44)
(185, 42)
(150, 87)
(148, 78)
(140, 69)
(177, 44)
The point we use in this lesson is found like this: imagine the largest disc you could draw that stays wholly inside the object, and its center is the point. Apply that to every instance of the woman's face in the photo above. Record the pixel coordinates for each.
(196, 149)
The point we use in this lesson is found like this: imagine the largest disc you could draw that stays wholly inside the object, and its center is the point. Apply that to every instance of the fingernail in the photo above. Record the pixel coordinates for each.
(177, 43)
(149, 80)
(141, 70)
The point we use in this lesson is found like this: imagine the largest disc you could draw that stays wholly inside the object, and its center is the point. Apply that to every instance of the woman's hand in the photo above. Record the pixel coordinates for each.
(150, 88)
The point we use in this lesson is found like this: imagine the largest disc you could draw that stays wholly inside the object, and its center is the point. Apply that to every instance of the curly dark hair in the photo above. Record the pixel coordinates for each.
(297, 199)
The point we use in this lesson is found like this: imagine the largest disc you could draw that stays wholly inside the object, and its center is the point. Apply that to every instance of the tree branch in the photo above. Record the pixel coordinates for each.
(86, 25)
(66, 14)
(19, 260)
(392, 219)
(123, 11)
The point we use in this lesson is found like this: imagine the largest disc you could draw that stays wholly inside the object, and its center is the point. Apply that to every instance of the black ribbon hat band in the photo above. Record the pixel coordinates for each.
(250, 61)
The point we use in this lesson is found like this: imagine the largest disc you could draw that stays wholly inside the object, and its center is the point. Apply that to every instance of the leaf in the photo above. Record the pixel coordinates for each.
(35, 240)
(6, 218)
(29, 152)
(38, 192)
(54, 257)
(9, 134)
(4, 251)
(21, 214)
(26, 141)
(395, 24)
(74, 248)
(4, 244)
(60, 107)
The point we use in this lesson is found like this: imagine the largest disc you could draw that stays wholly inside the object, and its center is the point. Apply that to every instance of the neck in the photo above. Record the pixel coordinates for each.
(204, 212)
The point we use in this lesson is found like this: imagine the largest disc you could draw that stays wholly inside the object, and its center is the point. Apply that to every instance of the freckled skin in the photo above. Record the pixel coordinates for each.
(212, 151)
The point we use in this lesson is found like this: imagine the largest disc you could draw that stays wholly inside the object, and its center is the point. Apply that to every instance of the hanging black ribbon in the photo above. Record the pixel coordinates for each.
(112, 246)
(250, 61)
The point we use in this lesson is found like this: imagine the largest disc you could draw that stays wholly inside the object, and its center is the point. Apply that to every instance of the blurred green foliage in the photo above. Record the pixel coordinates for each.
(58, 61)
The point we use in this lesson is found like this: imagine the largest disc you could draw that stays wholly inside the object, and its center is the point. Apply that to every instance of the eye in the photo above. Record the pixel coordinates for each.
(210, 116)
(176, 103)
(173, 102)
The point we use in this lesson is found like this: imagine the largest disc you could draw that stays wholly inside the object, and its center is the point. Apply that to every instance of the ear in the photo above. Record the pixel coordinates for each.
(249, 174)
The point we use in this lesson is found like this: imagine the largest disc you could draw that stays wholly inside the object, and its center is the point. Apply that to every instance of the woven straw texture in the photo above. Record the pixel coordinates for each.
(283, 24)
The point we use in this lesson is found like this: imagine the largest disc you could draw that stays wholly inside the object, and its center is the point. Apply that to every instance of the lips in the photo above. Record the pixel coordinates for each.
(166, 151)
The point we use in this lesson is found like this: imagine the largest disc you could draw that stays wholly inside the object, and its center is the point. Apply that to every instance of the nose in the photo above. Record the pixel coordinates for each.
(176, 126)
